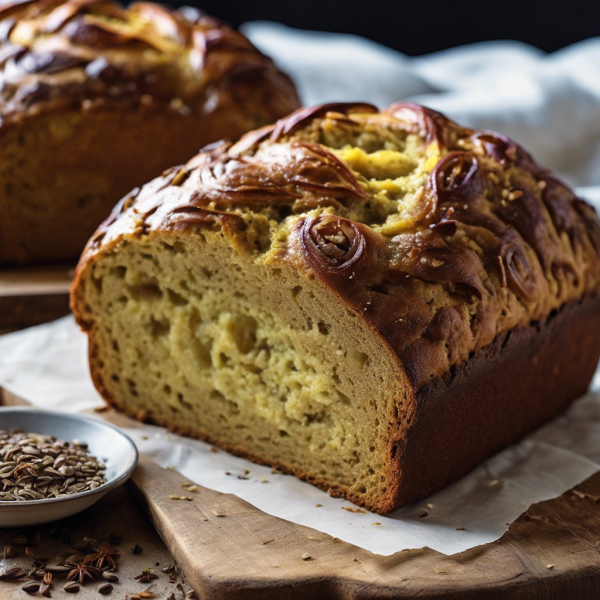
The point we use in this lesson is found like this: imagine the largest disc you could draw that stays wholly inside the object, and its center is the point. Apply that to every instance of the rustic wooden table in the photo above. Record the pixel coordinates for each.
(33, 295)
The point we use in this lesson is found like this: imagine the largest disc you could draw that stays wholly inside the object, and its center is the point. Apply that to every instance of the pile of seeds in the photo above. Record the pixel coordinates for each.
(34, 466)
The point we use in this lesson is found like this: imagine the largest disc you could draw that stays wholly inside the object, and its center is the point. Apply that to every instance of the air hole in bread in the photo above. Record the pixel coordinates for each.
(145, 292)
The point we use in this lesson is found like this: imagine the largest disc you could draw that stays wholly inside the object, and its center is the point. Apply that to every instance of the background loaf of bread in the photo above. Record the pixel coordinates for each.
(96, 99)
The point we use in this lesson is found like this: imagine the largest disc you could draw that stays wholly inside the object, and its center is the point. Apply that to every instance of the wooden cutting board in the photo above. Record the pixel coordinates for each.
(230, 550)
(33, 295)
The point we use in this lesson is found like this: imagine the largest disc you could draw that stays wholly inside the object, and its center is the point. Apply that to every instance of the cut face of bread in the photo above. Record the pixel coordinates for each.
(373, 301)
(261, 360)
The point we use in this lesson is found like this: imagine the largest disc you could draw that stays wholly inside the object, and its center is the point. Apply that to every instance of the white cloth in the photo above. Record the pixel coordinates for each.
(550, 104)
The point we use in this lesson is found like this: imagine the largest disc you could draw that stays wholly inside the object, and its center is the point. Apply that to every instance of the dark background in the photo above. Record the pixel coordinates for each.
(423, 26)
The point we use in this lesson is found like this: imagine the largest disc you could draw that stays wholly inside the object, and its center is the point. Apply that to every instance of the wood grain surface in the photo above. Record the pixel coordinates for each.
(230, 549)
(33, 295)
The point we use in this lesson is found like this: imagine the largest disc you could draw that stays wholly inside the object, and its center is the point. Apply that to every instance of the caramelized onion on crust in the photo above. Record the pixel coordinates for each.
(429, 124)
(504, 150)
(332, 242)
(303, 115)
(456, 177)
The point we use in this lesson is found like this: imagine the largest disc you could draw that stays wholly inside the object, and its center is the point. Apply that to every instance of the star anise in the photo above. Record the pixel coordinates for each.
(81, 571)
(146, 576)
(103, 556)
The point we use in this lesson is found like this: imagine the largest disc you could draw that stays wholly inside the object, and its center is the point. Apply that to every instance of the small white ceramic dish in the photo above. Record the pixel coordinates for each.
(104, 442)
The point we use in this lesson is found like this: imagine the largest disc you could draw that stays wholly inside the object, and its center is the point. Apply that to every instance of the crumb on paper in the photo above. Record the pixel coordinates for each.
(318, 505)
(376, 524)
(353, 510)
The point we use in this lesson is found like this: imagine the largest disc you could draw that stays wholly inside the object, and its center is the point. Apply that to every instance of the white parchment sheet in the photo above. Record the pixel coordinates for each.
(549, 103)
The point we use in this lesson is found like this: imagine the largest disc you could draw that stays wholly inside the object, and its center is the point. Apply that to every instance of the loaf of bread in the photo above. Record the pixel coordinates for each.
(374, 301)
(96, 99)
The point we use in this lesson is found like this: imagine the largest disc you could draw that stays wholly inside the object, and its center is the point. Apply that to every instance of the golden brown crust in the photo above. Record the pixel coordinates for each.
(56, 54)
(493, 242)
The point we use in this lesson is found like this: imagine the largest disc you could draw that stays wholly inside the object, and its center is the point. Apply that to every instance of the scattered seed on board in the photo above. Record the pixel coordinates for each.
(11, 572)
(21, 540)
(306, 556)
(115, 538)
(110, 576)
(72, 587)
(46, 585)
(35, 466)
(31, 587)
(105, 588)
